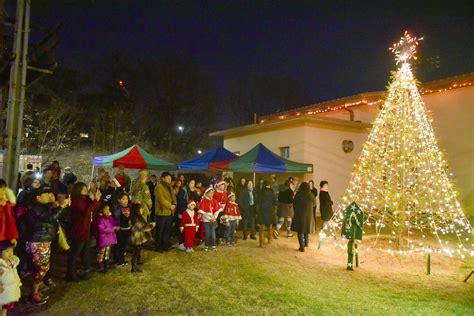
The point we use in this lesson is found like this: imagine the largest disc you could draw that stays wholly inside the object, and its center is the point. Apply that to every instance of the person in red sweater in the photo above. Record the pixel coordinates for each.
(209, 210)
(189, 225)
(231, 217)
(8, 229)
(84, 206)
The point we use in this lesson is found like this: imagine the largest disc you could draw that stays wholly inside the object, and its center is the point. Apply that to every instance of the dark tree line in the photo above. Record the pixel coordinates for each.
(125, 100)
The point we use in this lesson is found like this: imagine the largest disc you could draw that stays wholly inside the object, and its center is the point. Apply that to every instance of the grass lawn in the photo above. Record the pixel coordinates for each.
(274, 280)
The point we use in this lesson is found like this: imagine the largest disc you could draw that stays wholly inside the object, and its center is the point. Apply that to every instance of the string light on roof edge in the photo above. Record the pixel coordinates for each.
(401, 179)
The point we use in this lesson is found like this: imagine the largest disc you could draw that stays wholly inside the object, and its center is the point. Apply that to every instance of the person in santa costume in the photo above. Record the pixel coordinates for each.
(220, 195)
(209, 210)
(189, 226)
(231, 217)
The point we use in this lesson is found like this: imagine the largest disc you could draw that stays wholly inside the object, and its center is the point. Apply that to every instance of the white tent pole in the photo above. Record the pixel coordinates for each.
(92, 175)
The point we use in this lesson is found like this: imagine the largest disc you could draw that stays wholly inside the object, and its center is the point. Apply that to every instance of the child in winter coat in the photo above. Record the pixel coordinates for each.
(231, 217)
(220, 195)
(10, 287)
(106, 228)
(122, 215)
(189, 226)
(140, 234)
(209, 210)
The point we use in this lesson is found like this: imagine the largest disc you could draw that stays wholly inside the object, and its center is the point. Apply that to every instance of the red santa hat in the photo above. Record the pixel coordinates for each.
(220, 182)
(190, 202)
(231, 194)
(209, 189)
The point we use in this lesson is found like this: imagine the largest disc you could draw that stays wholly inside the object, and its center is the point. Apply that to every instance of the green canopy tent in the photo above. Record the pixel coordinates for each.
(260, 159)
(133, 157)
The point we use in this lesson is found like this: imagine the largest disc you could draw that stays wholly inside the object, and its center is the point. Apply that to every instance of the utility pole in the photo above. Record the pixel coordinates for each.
(16, 92)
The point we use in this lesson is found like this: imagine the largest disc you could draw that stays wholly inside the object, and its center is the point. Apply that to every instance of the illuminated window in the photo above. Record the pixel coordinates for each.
(84, 135)
(285, 152)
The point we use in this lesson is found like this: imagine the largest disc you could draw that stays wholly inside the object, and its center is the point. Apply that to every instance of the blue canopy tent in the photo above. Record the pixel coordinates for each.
(216, 159)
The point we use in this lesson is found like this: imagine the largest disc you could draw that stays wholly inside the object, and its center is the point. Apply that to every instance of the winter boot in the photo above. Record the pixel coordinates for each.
(135, 267)
(102, 268)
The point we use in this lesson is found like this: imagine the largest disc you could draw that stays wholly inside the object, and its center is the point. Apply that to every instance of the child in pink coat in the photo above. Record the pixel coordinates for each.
(106, 228)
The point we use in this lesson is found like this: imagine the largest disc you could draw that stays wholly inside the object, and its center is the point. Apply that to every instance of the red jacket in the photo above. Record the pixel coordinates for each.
(82, 211)
(231, 212)
(208, 208)
(189, 221)
(221, 197)
(8, 229)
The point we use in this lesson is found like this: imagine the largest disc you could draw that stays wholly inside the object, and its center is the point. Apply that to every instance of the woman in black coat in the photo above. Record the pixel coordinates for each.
(303, 205)
(266, 217)
(325, 203)
(285, 207)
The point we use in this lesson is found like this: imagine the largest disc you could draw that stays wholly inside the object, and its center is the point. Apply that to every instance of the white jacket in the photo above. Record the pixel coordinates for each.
(10, 287)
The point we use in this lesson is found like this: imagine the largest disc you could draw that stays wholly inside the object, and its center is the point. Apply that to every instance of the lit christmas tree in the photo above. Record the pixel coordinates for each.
(401, 180)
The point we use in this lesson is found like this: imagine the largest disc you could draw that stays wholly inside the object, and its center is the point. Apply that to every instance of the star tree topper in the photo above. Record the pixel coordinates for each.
(405, 49)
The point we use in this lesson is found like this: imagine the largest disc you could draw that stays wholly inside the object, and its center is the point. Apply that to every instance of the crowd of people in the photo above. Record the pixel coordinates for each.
(113, 215)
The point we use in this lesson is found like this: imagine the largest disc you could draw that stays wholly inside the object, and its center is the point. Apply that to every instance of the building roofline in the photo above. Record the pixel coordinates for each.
(365, 98)
(291, 121)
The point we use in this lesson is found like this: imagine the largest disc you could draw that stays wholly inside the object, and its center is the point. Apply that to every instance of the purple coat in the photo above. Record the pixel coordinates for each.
(106, 232)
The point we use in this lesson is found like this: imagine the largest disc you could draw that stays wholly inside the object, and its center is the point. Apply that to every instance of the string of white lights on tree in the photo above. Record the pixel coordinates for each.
(401, 179)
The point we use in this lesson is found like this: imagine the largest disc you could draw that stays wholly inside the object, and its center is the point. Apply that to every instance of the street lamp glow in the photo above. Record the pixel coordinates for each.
(180, 128)
(199, 151)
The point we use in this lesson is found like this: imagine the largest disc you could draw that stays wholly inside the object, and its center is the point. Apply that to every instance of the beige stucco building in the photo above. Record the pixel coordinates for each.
(316, 133)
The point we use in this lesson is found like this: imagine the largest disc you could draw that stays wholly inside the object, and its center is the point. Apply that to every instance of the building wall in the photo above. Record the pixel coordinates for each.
(453, 118)
(310, 143)
(452, 112)
(323, 148)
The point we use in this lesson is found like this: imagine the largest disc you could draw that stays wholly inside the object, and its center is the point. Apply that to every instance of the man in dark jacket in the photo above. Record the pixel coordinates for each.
(266, 218)
(325, 203)
(43, 229)
(247, 204)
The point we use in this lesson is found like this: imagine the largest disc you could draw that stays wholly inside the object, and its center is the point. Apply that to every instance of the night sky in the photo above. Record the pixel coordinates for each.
(334, 48)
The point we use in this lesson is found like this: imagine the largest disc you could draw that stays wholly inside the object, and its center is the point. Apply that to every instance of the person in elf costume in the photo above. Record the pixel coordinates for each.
(209, 210)
(189, 225)
(231, 217)
(220, 195)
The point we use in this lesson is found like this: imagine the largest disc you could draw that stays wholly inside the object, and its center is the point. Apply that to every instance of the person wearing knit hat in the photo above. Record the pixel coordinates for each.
(209, 210)
(220, 195)
(189, 225)
(231, 217)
